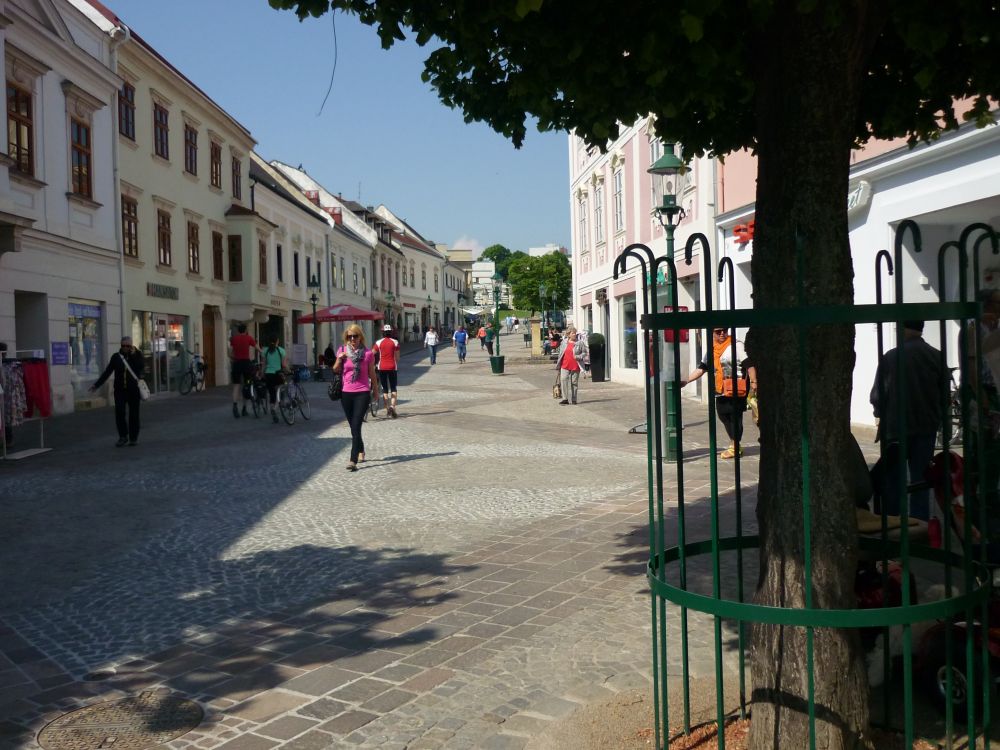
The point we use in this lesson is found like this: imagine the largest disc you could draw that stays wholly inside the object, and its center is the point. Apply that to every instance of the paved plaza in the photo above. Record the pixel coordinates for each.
(479, 577)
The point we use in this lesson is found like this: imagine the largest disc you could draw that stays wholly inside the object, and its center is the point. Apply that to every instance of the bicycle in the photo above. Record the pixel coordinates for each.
(292, 396)
(377, 403)
(954, 423)
(258, 394)
(194, 377)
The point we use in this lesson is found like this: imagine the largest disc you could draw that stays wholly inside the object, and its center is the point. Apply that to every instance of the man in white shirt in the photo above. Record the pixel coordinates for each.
(431, 342)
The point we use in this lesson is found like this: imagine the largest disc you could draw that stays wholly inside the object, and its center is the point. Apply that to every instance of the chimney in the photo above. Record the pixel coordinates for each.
(335, 214)
(313, 195)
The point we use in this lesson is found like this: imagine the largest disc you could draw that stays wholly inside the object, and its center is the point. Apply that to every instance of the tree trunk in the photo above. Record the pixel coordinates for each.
(808, 80)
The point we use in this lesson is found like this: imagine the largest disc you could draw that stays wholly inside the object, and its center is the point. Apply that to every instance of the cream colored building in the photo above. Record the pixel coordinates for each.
(59, 264)
(188, 236)
(351, 248)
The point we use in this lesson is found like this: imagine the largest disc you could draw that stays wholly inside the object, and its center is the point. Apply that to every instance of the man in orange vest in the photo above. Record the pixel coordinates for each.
(730, 389)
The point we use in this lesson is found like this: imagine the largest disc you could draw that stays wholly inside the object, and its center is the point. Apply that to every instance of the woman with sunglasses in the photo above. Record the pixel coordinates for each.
(731, 390)
(356, 364)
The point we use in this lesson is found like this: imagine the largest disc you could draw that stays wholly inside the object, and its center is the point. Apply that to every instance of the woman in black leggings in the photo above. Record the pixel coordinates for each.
(356, 364)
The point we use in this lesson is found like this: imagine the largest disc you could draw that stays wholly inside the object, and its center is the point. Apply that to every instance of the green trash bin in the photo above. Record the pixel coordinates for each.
(496, 364)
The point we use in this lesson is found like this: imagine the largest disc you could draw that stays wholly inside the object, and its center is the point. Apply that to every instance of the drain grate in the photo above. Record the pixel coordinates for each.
(134, 723)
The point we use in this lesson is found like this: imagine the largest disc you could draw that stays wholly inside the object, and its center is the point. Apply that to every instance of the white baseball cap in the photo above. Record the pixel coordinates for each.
(386, 328)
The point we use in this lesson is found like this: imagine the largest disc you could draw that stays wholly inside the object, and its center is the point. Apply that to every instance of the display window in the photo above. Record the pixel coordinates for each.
(86, 345)
(164, 342)
(630, 333)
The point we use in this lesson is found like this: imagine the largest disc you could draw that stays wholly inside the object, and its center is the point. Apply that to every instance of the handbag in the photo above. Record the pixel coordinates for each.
(741, 387)
(336, 387)
(143, 388)
(557, 388)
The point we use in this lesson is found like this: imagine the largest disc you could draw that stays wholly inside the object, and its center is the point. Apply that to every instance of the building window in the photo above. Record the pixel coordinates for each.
(333, 272)
(237, 178)
(630, 337)
(163, 238)
(262, 260)
(423, 279)
(382, 270)
(194, 249)
(218, 263)
(216, 168)
(81, 157)
(343, 275)
(355, 278)
(126, 111)
(599, 213)
(190, 150)
(20, 129)
(435, 280)
(397, 278)
(235, 257)
(319, 274)
(375, 278)
(279, 264)
(619, 202)
(161, 131)
(309, 268)
(364, 282)
(130, 227)
(295, 269)
(582, 209)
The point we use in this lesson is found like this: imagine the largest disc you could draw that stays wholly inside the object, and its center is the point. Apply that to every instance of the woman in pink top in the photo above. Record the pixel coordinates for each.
(356, 364)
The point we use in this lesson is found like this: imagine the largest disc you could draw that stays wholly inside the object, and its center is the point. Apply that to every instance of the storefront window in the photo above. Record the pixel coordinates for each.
(163, 340)
(86, 346)
(630, 333)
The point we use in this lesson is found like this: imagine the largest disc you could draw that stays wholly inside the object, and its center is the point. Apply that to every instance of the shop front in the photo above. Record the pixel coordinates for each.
(164, 341)
(87, 353)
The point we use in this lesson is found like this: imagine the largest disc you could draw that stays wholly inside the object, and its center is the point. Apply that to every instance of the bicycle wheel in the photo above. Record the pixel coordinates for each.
(373, 406)
(255, 399)
(186, 384)
(303, 400)
(286, 406)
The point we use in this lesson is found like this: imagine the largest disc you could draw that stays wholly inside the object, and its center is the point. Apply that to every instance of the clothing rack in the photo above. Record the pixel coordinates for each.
(25, 355)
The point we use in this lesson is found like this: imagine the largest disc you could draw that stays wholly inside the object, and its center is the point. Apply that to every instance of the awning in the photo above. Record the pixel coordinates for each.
(472, 310)
(338, 313)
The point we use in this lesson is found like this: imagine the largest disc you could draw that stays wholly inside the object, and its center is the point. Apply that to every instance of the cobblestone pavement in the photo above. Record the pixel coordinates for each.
(479, 577)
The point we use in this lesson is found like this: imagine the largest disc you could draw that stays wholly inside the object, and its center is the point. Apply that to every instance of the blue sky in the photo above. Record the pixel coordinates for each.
(382, 131)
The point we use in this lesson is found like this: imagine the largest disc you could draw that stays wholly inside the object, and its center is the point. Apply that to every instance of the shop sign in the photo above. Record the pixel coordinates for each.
(77, 310)
(60, 352)
(162, 290)
(275, 302)
(409, 304)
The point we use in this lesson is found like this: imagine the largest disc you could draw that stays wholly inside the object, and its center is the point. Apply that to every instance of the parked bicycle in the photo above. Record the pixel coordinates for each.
(194, 377)
(258, 393)
(291, 397)
(954, 423)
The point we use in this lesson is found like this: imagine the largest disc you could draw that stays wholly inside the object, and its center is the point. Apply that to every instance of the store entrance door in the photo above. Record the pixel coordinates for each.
(208, 344)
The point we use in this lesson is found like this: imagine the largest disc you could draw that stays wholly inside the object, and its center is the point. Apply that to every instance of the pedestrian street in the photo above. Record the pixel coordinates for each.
(479, 577)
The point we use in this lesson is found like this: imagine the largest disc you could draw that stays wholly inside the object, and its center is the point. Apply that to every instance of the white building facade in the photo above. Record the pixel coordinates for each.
(60, 271)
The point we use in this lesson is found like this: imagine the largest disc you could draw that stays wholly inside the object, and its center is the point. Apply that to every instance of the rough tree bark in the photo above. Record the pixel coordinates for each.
(809, 79)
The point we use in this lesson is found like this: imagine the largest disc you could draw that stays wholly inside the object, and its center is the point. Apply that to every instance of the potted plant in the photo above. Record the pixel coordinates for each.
(595, 342)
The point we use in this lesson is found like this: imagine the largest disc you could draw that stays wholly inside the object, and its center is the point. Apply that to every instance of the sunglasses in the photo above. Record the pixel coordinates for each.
(352, 336)
(719, 330)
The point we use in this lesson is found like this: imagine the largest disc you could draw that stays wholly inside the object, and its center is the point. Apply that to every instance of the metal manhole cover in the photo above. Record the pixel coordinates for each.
(138, 722)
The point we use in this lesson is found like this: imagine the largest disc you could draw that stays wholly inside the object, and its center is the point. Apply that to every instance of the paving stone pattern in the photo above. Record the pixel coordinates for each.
(478, 578)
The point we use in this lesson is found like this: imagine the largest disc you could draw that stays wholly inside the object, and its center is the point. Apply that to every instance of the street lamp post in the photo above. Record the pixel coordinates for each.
(496, 310)
(553, 313)
(429, 301)
(314, 287)
(541, 300)
(669, 214)
(389, 299)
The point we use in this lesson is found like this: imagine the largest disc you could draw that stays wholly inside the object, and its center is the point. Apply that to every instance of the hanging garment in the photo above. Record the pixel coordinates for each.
(15, 400)
(38, 393)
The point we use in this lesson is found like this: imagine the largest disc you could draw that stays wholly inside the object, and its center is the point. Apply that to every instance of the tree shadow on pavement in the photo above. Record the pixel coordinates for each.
(371, 616)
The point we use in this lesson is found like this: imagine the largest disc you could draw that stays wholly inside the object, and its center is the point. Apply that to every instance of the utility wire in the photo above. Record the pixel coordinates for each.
(333, 19)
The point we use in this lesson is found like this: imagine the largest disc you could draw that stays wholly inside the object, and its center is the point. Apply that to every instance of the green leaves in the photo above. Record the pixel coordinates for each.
(524, 7)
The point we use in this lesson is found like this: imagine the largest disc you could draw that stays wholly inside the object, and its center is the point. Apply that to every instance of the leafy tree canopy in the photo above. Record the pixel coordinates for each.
(500, 255)
(526, 274)
(692, 65)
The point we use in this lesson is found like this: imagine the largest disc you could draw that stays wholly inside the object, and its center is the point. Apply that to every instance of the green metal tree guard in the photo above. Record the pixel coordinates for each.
(963, 612)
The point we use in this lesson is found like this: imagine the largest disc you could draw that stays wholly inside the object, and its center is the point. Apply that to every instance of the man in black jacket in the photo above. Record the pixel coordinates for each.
(126, 390)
